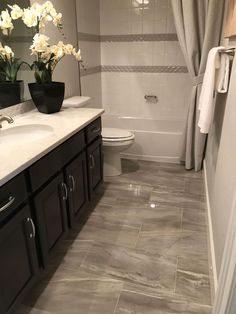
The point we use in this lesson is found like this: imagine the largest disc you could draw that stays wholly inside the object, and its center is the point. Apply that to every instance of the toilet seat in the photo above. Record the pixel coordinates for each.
(116, 135)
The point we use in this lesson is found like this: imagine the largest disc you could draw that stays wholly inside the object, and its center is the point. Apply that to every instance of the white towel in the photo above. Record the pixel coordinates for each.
(206, 101)
(222, 75)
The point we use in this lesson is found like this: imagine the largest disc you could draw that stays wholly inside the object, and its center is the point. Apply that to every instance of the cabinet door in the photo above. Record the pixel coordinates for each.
(76, 180)
(95, 165)
(18, 262)
(51, 214)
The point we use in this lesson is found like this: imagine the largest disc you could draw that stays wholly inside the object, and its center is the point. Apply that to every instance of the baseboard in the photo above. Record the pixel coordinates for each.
(210, 231)
(173, 160)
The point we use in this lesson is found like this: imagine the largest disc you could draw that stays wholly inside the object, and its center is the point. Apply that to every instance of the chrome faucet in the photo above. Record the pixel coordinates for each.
(5, 118)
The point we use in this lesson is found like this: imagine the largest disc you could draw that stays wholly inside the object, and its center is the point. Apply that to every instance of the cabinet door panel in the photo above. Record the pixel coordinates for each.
(76, 178)
(95, 165)
(50, 208)
(18, 262)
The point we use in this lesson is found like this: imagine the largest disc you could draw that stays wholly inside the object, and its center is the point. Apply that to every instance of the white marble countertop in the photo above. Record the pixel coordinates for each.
(16, 157)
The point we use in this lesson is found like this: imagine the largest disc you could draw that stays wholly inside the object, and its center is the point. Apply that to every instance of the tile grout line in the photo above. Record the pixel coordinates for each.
(182, 217)
(118, 300)
(140, 228)
(176, 270)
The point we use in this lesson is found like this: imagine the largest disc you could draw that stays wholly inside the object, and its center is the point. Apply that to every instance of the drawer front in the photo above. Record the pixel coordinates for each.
(12, 194)
(52, 163)
(93, 130)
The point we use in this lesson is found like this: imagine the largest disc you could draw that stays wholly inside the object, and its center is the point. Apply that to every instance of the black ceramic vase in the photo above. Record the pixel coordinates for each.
(47, 98)
(11, 93)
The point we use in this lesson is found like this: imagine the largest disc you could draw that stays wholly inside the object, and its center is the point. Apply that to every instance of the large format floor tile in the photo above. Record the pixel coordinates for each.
(141, 250)
(131, 303)
(132, 266)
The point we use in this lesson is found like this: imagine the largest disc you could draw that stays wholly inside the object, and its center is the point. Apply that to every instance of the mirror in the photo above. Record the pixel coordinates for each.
(20, 41)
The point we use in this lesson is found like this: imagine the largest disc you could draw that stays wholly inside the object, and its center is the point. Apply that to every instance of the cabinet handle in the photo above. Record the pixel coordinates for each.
(72, 179)
(65, 196)
(32, 235)
(92, 163)
(9, 203)
(96, 130)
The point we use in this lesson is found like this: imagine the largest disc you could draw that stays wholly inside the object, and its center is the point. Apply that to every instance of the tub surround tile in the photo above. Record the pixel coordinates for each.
(130, 303)
(132, 266)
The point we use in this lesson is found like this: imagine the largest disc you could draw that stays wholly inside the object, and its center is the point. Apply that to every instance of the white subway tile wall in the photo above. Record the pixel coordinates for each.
(134, 35)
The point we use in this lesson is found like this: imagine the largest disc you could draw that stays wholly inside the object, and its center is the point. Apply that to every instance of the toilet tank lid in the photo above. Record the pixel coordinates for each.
(115, 133)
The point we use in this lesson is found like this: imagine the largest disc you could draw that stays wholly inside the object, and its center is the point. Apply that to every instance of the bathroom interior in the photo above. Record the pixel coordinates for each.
(123, 201)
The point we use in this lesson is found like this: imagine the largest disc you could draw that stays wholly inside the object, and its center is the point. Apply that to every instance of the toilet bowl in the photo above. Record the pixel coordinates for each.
(114, 142)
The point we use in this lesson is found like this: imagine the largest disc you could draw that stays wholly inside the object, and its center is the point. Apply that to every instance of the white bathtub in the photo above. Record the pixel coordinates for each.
(156, 140)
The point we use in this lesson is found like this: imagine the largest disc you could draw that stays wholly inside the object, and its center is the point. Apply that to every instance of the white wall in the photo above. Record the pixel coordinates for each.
(88, 23)
(221, 166)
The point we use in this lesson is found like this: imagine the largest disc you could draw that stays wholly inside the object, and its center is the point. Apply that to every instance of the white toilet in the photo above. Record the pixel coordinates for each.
(114, 142)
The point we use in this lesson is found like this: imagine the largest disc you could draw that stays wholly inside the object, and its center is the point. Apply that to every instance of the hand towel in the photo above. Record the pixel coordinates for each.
(222, 75)
(206, 100)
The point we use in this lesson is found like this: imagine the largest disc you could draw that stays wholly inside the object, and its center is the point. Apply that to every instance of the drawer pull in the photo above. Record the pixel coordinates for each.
(32, 235)
(65, 196)
(72, 179)
(9, 203)
(96, 130)
(92, 163)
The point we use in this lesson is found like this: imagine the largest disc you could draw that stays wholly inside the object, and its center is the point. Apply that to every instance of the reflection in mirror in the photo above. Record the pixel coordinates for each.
(19, 41)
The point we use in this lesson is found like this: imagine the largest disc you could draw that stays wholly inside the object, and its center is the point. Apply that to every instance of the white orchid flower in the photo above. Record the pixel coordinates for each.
(30, 17)
(40, 43)
(6, 22)
(16, 11)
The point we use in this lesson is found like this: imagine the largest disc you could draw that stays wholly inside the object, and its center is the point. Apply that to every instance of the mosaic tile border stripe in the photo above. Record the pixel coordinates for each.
(127, 38)
(89, 71)
(88, 37)
(133, 69)
(139, 37)
(145, 69)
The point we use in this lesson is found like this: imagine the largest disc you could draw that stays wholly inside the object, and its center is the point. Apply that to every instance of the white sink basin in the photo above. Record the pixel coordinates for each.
(25, 133)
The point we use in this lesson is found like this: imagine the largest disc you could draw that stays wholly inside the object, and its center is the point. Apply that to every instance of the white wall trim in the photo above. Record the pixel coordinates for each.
(210, 230)
(224, 302)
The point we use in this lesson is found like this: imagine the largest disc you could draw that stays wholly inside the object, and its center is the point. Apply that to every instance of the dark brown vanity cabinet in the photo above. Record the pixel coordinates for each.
(18, 261)
(51, 215)
(76, 182)
(94, 155)
(95, 165)
(59, 186)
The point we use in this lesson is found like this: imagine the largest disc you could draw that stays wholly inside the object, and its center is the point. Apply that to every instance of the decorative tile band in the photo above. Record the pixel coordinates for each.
(88, 37)
(89, 71)
(133, 69)
(127, 38)
(139, 37)
(144, 69)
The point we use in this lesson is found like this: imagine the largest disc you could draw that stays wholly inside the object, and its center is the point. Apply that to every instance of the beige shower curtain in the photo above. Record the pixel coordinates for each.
(199, 26)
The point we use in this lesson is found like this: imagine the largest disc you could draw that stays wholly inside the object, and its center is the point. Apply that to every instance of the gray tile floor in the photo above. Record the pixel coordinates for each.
(142, 250)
